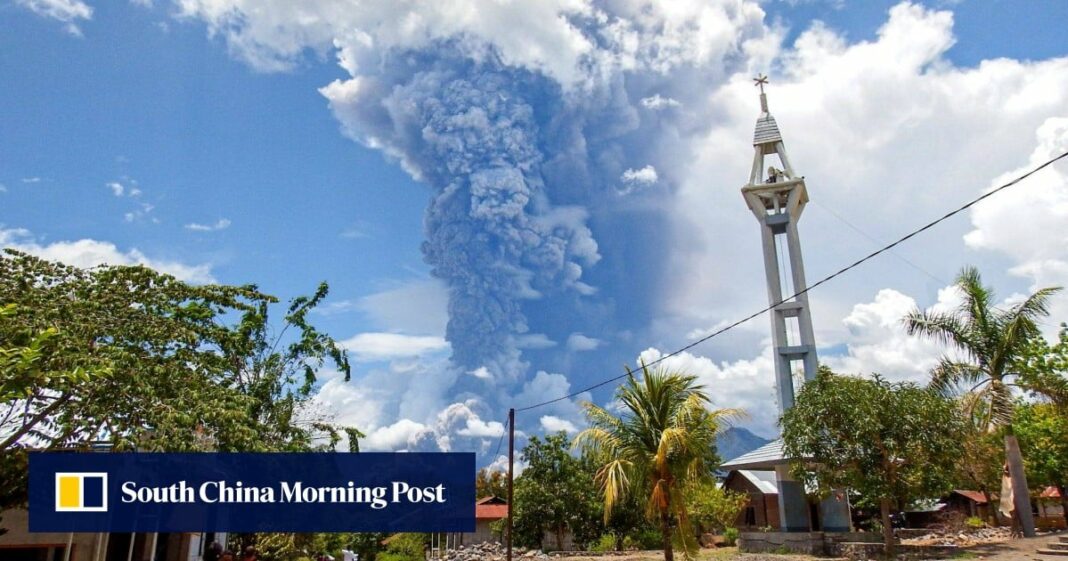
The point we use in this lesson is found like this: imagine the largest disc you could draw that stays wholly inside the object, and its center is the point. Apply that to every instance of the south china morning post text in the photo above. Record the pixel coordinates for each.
(251, 492)
(211, 492)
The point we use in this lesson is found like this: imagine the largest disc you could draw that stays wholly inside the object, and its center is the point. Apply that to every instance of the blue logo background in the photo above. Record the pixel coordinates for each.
(455, 471)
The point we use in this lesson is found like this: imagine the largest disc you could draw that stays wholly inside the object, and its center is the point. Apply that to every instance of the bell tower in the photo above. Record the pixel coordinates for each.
(776, 195)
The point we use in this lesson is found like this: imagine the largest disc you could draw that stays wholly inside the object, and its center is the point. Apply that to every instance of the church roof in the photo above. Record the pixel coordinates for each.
(766, 457)
(764, 481)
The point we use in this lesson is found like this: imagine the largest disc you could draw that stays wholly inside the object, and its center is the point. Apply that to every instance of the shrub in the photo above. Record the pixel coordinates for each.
(730, 536)
(974, 522)
(644, 539)
(405, 547)
(607, 542)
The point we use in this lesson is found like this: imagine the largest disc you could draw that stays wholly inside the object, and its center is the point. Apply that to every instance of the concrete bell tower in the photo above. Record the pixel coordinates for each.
(777, 196)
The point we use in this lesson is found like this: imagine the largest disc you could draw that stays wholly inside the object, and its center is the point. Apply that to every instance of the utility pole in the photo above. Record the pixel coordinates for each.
(511, 465)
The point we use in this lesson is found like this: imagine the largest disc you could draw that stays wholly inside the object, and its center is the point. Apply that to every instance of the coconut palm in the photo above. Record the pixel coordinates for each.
(988, 341)
(663, 442)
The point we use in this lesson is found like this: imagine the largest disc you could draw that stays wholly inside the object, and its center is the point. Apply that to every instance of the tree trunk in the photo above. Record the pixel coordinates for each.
(1021, 494)
(665, 529)
(888, 528)
(559, 538)
(994, 513)
(1064, 501)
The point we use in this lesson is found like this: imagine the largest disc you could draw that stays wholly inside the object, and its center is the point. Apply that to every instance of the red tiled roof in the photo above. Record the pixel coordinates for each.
(491, 512)
(975, 496)
(1050, 493)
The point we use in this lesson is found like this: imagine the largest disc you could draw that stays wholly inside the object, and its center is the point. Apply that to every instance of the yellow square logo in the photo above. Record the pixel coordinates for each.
(82, 492)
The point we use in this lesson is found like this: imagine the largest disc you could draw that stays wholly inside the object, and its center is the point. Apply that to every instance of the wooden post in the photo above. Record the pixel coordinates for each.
(511, 462)
(70, 543)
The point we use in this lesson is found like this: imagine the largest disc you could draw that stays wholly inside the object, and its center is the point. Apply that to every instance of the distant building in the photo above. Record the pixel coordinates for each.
(18, 544)
(762, 511)
(487, 511)
(1050, 509)
(967, 503)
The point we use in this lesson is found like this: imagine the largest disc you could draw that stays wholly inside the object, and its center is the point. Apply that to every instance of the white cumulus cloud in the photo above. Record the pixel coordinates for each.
(66, 11)
(385, 346)
(578, 342)
(551, 423)
(90, 253)
(220, 224)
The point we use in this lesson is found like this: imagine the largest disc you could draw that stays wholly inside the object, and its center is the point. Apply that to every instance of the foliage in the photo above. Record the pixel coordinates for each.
(991, 344)
(1043, 434)
(491, 482)
(643, 539)
(137, 359)
(405, 547)
(663, 444)
(730, 535)
(974, 522)
(710, 505)
(982, 454)
(295, 546)
(607, 542)
(889, 442)
(628, 519)
(1043, 368)
(991, 341)
(556, 493)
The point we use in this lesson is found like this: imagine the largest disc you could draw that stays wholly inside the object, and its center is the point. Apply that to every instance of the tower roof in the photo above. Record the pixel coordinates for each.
(767, 130)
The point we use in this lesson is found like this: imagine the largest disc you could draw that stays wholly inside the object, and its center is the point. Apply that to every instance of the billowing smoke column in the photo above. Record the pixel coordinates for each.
(493, 234)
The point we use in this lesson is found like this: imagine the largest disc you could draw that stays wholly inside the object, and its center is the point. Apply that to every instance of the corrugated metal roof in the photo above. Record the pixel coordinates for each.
(767, 130)
(764, 481)
(971, 495)
(766, 457)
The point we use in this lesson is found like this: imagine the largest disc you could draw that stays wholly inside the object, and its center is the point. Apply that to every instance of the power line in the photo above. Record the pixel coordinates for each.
(877, 242)
(824, 280)
(500, 440)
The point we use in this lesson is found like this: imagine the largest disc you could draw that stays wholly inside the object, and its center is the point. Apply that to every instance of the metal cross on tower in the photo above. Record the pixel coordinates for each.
(777, 200)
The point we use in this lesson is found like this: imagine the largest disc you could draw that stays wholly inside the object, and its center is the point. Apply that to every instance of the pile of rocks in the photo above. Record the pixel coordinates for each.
(963, 538)
(490, 551)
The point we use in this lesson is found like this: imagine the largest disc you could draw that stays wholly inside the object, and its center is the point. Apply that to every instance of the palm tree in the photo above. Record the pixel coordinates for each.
(989, 341)
(663, 442)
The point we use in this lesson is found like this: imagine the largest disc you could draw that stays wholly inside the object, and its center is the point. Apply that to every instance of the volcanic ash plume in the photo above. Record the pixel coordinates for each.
(493, 234)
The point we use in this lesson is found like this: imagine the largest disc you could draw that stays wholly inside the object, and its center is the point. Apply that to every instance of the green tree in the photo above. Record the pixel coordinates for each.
(888, 442)
(140, 360)
(1043, 432)
(1043, 368)
(711, 506)
(990, 342)
(627, 519)
(982, 455)
(491, 483)
(663, 443)
(556, 494)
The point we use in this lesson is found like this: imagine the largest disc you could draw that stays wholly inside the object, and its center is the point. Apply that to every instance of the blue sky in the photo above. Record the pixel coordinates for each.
(237, 142)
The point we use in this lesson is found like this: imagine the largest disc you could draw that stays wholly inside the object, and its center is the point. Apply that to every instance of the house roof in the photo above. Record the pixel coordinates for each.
(764, 481)
(1050, 493)
(491, 500)
(974, 496)
(764, 458)
(490, 512)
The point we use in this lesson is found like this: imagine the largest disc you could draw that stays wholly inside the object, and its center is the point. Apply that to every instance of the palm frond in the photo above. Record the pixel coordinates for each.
(949, 375)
